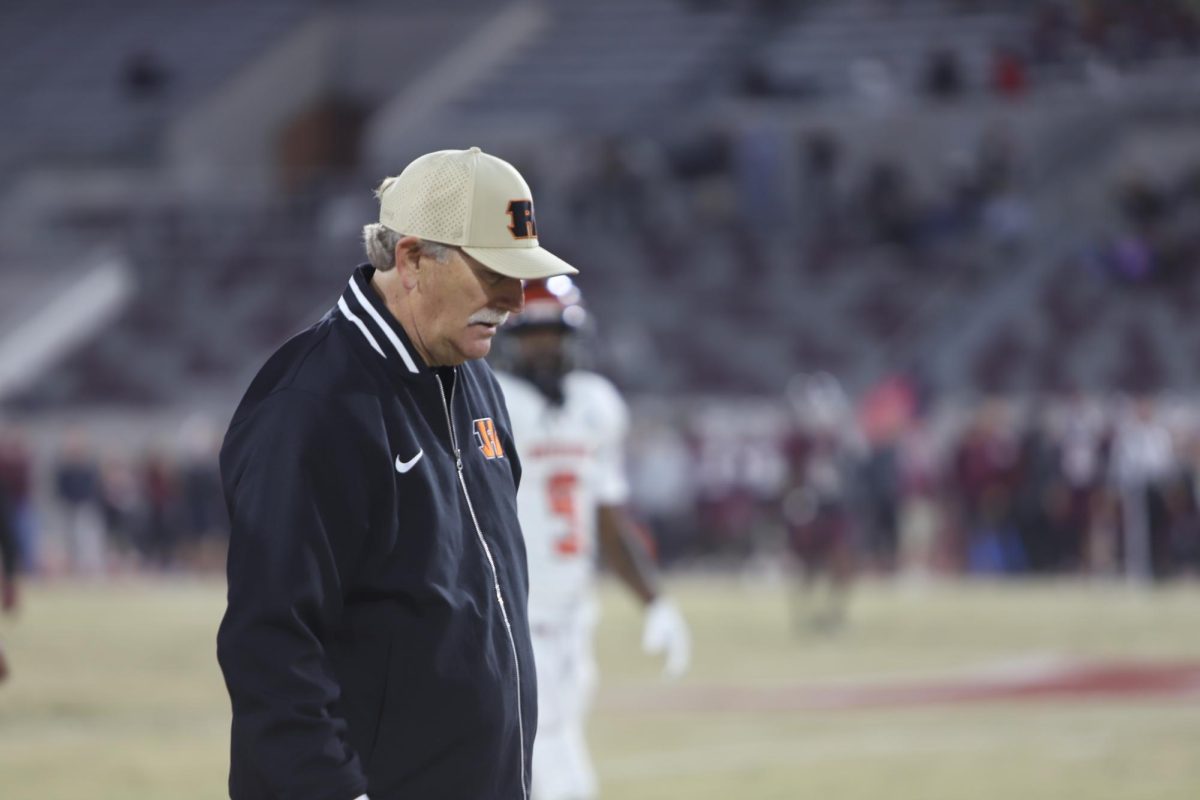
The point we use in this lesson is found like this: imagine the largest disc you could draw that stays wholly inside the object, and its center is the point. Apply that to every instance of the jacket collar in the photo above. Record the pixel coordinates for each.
(362, 307)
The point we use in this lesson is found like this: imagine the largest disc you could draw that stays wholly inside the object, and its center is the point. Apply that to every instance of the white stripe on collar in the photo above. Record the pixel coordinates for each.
(387, 329)
(345, 309)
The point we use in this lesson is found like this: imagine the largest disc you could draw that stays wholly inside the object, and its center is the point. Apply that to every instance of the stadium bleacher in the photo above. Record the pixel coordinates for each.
(760, 294)
(132, 64)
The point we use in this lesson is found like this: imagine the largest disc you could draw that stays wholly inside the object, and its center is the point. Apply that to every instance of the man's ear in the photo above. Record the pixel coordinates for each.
(408, 261)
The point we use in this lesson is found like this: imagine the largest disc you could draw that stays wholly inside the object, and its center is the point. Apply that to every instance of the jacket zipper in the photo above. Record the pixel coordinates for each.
(487, 551)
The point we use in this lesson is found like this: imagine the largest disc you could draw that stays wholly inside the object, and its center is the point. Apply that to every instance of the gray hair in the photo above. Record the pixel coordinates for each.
(380, 243)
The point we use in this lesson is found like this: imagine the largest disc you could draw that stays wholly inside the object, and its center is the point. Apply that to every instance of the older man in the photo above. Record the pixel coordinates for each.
(376, 638)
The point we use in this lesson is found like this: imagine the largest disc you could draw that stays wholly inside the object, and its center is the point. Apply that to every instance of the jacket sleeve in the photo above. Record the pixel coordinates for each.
(297, 501)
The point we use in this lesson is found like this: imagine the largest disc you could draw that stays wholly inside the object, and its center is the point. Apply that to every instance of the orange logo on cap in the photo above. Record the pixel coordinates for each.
(487, 439)
(521, 214)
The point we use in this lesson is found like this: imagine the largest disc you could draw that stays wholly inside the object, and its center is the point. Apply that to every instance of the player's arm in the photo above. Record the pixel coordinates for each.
(665, 630)
(625, 554)
(620, 545)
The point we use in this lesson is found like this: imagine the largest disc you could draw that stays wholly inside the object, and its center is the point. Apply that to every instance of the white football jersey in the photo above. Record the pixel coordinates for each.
(572, 461)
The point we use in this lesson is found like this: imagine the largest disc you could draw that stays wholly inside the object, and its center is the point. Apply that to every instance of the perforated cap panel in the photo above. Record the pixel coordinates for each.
(431, 198)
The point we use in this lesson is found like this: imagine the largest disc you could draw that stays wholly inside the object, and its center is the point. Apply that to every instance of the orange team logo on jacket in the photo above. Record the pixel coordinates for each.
(486, 438)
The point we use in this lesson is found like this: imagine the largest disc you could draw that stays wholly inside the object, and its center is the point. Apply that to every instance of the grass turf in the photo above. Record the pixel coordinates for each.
(116, 696)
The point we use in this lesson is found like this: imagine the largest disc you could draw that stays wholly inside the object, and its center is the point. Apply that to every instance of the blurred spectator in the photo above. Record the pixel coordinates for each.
(817, 500)
(120, 503)
(1104, 532)
(8, 563)
(922, 522)
(8, 571)
(160, 489)
(617, 195)
(78, 487)
(1143, 465)
(144, 76)
(1132, 259)
(145, 82)
(758, 160)
(702, 170)
(203, 504)
(660, 479)
(1083, 451)
(888, 207)
(943, 76)
(1009, 78)
(885, 412)
(1007, 222)
(986, 472)
(1042, 501)
(16, 481)
(819, 206)
(1142, 201)
(1182, 539)
(1185, 531)
(1160, 240)
(756, 80)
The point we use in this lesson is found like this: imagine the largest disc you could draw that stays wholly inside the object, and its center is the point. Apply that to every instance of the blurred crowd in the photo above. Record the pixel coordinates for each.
(1071, 485)
(834, 197)
(93, 510)
(1054, 41)
(1119, 30)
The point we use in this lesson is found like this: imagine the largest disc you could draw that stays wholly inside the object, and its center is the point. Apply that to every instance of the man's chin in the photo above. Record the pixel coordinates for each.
(477, 349)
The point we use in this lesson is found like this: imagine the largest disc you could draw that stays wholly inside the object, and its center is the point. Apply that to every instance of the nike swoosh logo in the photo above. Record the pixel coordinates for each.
(404, 466)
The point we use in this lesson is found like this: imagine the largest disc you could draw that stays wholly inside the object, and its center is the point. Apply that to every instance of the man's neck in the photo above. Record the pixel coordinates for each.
(387, 286)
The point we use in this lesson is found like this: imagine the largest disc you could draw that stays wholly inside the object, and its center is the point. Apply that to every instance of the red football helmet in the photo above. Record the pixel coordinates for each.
(553, 302)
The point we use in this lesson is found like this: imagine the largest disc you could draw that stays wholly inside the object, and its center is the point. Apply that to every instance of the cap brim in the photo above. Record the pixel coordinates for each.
(526, 263)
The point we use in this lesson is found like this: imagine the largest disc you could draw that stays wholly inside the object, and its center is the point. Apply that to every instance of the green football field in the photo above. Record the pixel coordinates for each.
(949, 691)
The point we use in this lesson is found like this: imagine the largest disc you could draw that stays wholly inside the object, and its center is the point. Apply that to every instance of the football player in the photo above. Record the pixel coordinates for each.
(569, 426)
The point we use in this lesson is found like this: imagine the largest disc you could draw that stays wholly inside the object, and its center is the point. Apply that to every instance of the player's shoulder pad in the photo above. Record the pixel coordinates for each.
(514, 385)
(599, 394)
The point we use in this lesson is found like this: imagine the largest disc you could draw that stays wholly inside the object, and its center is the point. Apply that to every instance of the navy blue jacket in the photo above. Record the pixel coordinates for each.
(376, 637)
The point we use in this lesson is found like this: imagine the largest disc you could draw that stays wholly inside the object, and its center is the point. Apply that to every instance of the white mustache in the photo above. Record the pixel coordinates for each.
(488, 317)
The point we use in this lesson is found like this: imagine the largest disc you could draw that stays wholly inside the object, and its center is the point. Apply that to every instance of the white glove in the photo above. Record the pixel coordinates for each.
(666, 632)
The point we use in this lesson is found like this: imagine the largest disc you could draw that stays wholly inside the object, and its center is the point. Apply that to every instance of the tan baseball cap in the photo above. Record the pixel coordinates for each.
(475, 201)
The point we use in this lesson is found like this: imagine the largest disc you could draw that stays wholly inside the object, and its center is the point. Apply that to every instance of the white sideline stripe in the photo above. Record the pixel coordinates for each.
(387, 331)
(345, 309)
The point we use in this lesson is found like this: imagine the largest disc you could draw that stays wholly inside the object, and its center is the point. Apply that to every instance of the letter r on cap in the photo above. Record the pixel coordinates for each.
(521, 214)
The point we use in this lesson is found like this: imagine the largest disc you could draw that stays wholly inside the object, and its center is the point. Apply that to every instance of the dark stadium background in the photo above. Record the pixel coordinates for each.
(929, 269)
